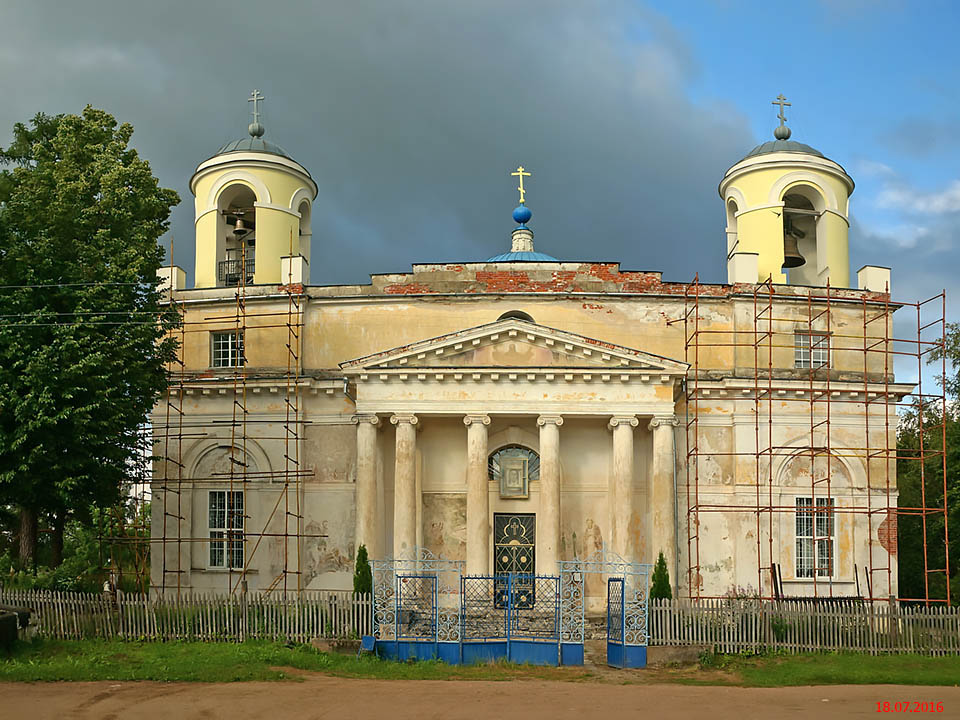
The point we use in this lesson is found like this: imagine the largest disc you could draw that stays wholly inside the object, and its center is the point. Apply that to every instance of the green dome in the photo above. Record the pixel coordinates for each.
(774, 146)
(252, 144)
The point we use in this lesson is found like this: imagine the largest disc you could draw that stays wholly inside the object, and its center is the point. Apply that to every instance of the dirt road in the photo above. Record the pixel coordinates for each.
(343, 699)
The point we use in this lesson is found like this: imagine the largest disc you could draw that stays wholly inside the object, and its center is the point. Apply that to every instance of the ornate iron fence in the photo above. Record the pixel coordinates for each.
(636, 584)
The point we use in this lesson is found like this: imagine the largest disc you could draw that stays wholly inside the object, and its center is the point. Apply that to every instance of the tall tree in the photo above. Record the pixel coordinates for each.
(82, 329)
(917, 489)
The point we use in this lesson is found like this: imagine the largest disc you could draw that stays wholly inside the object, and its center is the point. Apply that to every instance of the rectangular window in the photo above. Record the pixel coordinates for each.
(226, 528)
(814, 537)
(227, 349)
(811, 350)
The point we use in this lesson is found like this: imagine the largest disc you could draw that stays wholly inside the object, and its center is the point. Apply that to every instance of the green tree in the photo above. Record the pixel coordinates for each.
(660, 588)
(83, 333)
(362, 577)
(920, 483)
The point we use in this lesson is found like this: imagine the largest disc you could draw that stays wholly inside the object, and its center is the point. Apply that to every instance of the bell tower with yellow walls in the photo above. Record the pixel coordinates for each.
(253, 209)
(787, 208)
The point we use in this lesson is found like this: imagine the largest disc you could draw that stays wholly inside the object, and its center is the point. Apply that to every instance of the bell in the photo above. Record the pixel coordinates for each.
(240, 230)
(791, 252)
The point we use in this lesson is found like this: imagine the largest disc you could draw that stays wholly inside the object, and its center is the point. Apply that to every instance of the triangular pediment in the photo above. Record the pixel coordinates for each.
(514, 343)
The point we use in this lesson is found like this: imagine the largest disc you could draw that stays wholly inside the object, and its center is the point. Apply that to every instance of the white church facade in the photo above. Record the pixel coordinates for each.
(522, 410)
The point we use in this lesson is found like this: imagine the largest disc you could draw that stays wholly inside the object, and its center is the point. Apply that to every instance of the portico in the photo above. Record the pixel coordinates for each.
(544, 391)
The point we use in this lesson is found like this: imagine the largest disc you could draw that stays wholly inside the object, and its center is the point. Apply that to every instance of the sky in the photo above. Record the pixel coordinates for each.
(410, 115)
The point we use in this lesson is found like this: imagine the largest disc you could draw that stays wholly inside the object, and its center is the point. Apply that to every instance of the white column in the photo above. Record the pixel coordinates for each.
(663, 531)
(548, 519)
(368, 530)
(405, 487)
(621, 481)
(478, 496)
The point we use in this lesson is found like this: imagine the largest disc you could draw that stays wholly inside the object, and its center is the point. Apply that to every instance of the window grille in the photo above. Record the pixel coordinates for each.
(226, 528)
(811, 348)
(815, 531)
(227, 349)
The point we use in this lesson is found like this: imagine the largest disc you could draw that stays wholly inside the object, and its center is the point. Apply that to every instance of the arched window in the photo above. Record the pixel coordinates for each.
(513, 468)
(236, 235)
(516, 315)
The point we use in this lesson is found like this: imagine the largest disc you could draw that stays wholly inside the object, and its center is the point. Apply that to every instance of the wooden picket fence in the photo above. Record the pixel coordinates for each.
(744, 625)
(312, 614)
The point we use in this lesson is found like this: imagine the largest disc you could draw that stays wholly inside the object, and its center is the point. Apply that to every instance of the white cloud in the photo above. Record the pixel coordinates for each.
(907, 199)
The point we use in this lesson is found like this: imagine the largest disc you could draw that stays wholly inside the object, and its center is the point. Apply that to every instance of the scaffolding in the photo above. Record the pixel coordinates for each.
(844, 347)
(820, 360)
(129, 534)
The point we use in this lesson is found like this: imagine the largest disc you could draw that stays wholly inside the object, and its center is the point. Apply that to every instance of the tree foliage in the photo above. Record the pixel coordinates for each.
(82, 330)
(660, 583)
(922, 484)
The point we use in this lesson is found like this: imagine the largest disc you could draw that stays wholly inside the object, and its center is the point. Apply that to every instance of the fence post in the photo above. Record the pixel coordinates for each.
(893, 621)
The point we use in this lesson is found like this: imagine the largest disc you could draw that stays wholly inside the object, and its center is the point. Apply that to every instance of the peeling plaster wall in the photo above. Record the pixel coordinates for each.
(596, 300)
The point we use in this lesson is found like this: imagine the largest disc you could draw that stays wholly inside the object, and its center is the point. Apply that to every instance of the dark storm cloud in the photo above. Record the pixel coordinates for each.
(921, 136)
(410, 116)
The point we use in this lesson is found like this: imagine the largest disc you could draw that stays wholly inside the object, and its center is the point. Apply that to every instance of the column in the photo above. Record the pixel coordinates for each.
(663, 531)
(405, 487)
(621, 485)
(548, 519)
(368, 529)
(478, 496)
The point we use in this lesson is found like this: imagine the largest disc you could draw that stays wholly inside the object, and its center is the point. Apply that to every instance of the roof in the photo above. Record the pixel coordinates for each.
(523, 257)
(252, 144)
(783, 146)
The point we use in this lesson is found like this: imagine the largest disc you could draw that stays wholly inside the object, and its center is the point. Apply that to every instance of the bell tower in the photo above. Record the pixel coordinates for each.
(787, 208)
(253, 209)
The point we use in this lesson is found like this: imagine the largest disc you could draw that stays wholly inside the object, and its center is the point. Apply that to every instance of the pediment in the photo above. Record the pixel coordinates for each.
(514, 343)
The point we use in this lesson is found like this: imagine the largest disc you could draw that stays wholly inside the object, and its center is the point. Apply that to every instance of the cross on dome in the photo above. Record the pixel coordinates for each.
(782, 132)
(256, 128)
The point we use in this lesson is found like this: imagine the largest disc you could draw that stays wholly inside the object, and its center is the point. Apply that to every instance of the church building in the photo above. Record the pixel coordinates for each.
(517, 411)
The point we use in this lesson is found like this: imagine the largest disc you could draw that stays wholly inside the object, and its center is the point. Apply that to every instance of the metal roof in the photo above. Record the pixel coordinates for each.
(523, 257)
(253, 144)
(783, 146)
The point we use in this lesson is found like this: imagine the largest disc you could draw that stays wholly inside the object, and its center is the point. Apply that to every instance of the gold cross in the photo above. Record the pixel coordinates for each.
(781, 101)
(520, 174)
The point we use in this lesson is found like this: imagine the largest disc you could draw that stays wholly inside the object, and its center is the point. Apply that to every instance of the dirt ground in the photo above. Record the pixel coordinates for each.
(325, 697)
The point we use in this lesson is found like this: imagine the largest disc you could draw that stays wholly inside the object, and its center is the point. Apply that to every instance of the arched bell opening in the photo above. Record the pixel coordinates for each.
(236, 235)
(803, 206)
(306, 231)
(732, 211)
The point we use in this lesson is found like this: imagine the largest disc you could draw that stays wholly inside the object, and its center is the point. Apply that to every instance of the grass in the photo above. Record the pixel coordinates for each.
(58, 660)
(51, 660)
(838, 669)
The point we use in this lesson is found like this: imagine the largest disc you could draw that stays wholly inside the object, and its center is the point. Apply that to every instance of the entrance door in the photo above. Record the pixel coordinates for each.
(514, 553)
(615, 622)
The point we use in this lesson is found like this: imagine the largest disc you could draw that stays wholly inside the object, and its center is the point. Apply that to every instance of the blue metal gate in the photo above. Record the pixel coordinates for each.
(416, 615)
(616, 622)
(510, 616)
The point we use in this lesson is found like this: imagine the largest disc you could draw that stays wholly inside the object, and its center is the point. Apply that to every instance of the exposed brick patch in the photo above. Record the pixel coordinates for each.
(887, 532)
(409, 289)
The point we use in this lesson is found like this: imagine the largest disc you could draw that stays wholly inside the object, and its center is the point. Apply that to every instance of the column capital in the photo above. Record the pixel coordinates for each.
(550, 420)
(407, 418)
(361, 419)
(616, 420)
(477, 418)
(660, 420)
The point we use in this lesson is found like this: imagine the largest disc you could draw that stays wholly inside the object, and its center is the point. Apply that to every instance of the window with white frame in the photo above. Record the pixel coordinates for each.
(227, 349)
(811, 350)
(226, 528)
(815, 533)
